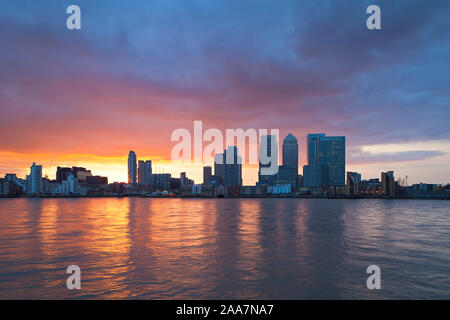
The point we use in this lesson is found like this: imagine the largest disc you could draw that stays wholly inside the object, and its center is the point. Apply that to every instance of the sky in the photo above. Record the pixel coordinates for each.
(136, 71)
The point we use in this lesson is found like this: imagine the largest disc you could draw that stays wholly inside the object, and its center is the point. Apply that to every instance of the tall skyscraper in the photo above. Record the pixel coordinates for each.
(207, 174)
(332, 154)
(312, 146)
(132, 167)
(271, 153)
(144, 171)
(219, 167)
(326, 161)
(233, 167)
(35, 178)
(288, 172)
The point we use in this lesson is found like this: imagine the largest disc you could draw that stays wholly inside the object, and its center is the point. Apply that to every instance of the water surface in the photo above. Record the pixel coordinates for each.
(224, 248)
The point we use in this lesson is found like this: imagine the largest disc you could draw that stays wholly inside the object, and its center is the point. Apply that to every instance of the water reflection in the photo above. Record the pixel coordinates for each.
(222, 248)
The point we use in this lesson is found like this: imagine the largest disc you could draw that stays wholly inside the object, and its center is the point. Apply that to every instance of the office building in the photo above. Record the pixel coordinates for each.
(326, 161)
(196, 189)
(268, 152)
(290, 152)
(232, 167)
(288, 172)
(286, 175)
(207, 174)
(219, 168)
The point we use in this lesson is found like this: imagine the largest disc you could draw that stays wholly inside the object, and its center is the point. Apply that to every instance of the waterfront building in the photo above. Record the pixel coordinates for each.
(62, 173)
(81, 173)
(353, 181)
(185, 181)
(233, 167)
(286, 175)
(197, 189)
(70, 185)
(326, 161)
(96, 180)
(270, 142)
(175, 184)
(300, 180)
(35, 179)
(207, 174)
(280, 189)
(160, 181)
(132, 167)
(144, 171)
(219, 168)
(290, 160)
(388, 183)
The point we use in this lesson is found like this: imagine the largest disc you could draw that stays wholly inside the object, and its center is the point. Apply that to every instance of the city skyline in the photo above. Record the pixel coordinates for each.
(115, 168)
(225, 157)
(325, 175)
(321, 150)
(86, 97)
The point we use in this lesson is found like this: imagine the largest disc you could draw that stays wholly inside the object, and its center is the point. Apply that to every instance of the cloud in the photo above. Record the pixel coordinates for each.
(135, 73)
(390, 157)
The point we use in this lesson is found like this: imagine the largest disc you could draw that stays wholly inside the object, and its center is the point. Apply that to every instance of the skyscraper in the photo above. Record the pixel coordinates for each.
(332, 154)
(219, 167)
(35, 178)
(270, 153)
(288, 172)
(144, 171)
(233, 167)
(207, 174)
(312, 145)
(132, 167)
(326, 161)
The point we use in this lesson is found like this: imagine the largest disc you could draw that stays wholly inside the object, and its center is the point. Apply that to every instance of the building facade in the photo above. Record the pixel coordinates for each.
(233, 167)
(268, 152)
(132, 168)
(326, 161)
(388, 183)
(35, 178)
(144, 171)
(207, 174)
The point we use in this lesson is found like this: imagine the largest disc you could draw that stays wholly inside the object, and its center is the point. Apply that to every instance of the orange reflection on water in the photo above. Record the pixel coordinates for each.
(107, 237)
